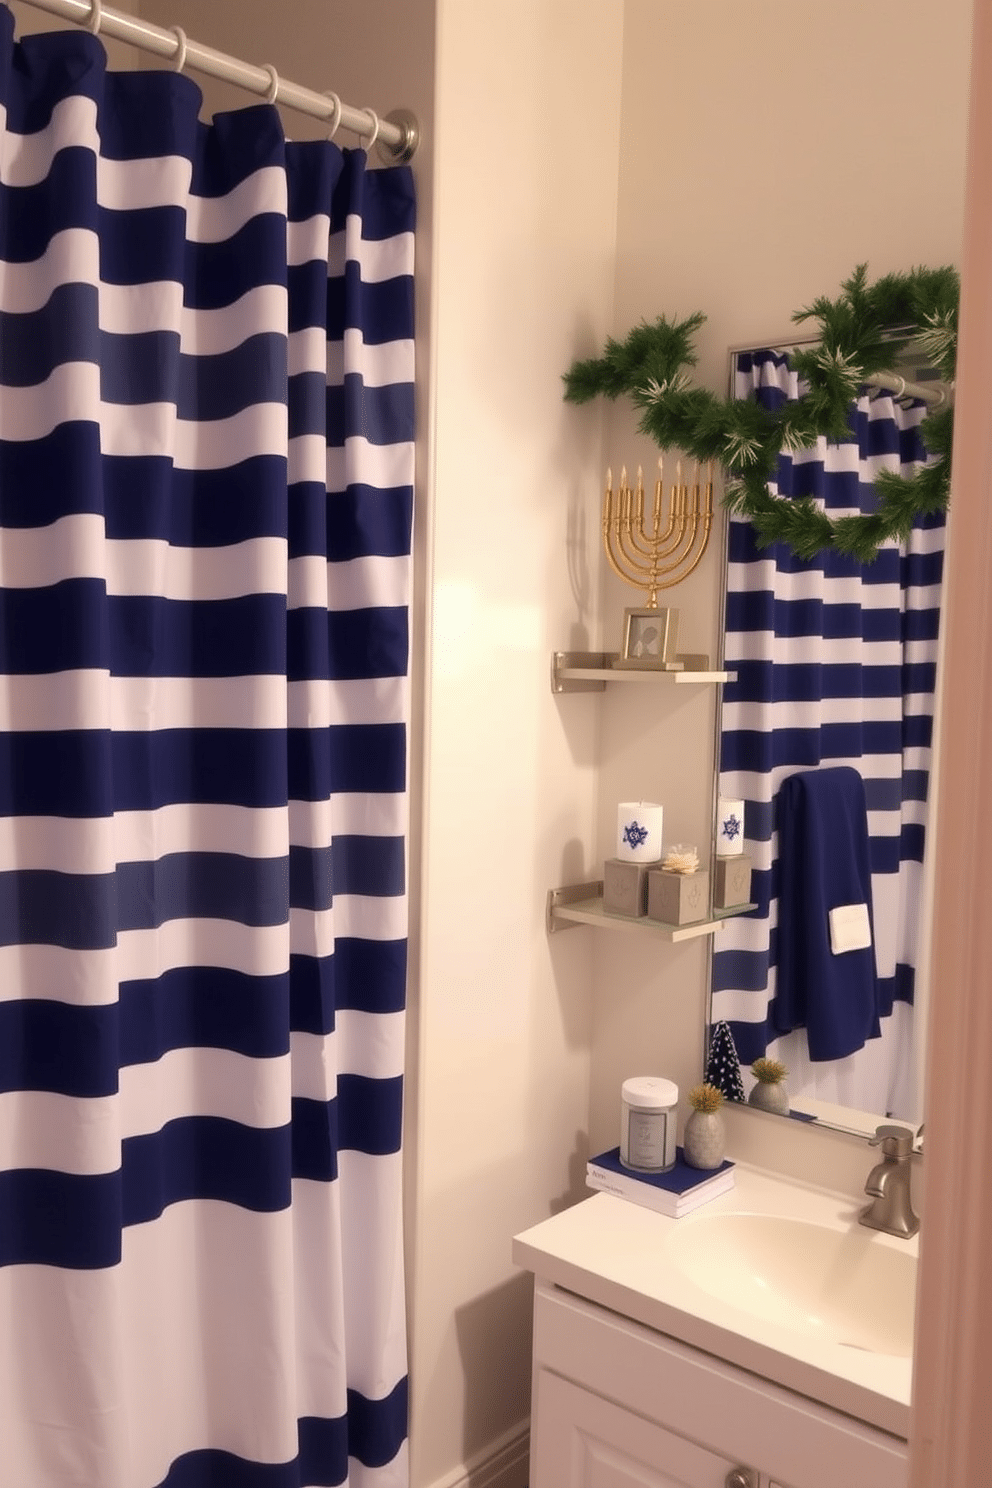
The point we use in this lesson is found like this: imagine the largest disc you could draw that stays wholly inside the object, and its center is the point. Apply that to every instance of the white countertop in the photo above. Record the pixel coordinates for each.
(612, 1252)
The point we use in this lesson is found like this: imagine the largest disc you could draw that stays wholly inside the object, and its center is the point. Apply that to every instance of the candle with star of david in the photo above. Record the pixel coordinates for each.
(639, 832)
(729, 828)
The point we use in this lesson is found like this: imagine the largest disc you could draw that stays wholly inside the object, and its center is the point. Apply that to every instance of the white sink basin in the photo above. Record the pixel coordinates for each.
(838, 1285)
(774, 1276)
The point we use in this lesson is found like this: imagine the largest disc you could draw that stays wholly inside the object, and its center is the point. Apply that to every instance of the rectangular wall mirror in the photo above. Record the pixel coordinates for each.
(826, 735)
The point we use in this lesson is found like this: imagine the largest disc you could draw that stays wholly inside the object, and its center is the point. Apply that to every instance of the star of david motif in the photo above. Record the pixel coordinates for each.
(732, 827)
(635, 835)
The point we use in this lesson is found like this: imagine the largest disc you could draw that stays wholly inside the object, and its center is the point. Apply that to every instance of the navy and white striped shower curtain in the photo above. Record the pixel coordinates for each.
(836, 665)
(206, 465)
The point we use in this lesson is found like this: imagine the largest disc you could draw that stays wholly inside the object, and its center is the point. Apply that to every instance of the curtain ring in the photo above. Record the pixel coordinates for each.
(95, 18)
(273, 92)
(179, 60)
(376, 126)
(902, 386)
(336, 115)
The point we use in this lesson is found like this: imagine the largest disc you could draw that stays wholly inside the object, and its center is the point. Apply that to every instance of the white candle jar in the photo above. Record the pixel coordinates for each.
(639, 832)
(729, 828)
(648, 1113)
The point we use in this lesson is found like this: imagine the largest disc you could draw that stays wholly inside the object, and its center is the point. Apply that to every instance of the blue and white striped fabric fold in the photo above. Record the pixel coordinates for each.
(836, 665)
(206, 500)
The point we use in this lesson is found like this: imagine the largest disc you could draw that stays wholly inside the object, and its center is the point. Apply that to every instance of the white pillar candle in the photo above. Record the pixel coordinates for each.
(729, 828)
(639, 832)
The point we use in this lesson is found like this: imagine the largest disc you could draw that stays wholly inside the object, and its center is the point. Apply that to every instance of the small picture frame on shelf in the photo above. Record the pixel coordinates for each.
(650, 640)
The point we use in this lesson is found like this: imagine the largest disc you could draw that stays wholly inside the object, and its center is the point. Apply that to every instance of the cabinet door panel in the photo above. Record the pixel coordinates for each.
(740, 1416)
(584, 1441)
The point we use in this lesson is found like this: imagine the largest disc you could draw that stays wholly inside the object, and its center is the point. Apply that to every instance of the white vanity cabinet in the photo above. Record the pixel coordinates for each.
(616, 1405)
(588, 1442)
(639, 1382)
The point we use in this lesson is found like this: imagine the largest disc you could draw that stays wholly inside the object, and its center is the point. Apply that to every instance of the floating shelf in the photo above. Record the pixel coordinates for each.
(582, 904)
(589, 671)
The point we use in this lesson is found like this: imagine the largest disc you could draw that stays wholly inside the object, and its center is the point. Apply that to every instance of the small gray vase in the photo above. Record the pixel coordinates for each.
(768, 1096)
(704, 1139)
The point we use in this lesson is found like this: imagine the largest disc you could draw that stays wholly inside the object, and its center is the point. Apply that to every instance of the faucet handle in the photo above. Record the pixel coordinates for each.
(895, 1141)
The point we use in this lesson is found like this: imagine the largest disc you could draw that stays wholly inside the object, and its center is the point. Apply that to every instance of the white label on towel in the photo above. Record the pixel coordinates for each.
(850, 929)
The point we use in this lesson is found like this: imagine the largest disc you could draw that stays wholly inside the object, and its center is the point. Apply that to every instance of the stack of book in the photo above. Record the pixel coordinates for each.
(674, 1193)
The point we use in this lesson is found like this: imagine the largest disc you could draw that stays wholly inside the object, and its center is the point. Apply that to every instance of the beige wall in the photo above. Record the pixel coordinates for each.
(766, 150)
(523, 282)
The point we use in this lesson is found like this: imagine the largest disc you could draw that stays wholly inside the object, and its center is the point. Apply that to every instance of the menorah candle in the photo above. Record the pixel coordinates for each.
(639, 832)
(729, 828)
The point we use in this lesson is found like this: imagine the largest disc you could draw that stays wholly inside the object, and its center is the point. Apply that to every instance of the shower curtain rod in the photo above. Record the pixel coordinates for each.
(397, 135)
(935, 394)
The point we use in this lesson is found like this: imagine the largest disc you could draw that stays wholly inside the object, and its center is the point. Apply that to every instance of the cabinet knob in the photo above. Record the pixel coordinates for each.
(741, 1477)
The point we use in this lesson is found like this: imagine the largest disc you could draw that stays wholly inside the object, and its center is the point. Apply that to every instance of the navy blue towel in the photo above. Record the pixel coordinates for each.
(823, 863)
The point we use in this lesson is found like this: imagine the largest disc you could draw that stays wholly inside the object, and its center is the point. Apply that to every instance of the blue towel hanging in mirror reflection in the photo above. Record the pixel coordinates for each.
(824, 863)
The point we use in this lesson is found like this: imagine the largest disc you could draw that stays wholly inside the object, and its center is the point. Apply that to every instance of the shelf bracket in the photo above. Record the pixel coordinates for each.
(590, 671)
(562, 661)
(571, 894)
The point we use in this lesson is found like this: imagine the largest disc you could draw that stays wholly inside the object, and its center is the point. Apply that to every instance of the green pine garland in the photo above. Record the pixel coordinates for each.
(861, 333)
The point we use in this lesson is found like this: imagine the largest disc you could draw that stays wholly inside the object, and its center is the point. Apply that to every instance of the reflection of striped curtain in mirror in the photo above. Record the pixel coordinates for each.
(836, 665)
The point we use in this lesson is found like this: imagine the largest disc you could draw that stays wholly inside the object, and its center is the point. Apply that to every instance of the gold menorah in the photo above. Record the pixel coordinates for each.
(639, 551)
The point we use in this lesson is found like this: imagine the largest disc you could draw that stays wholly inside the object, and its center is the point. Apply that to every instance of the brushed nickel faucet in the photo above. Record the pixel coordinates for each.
(888, 1182)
